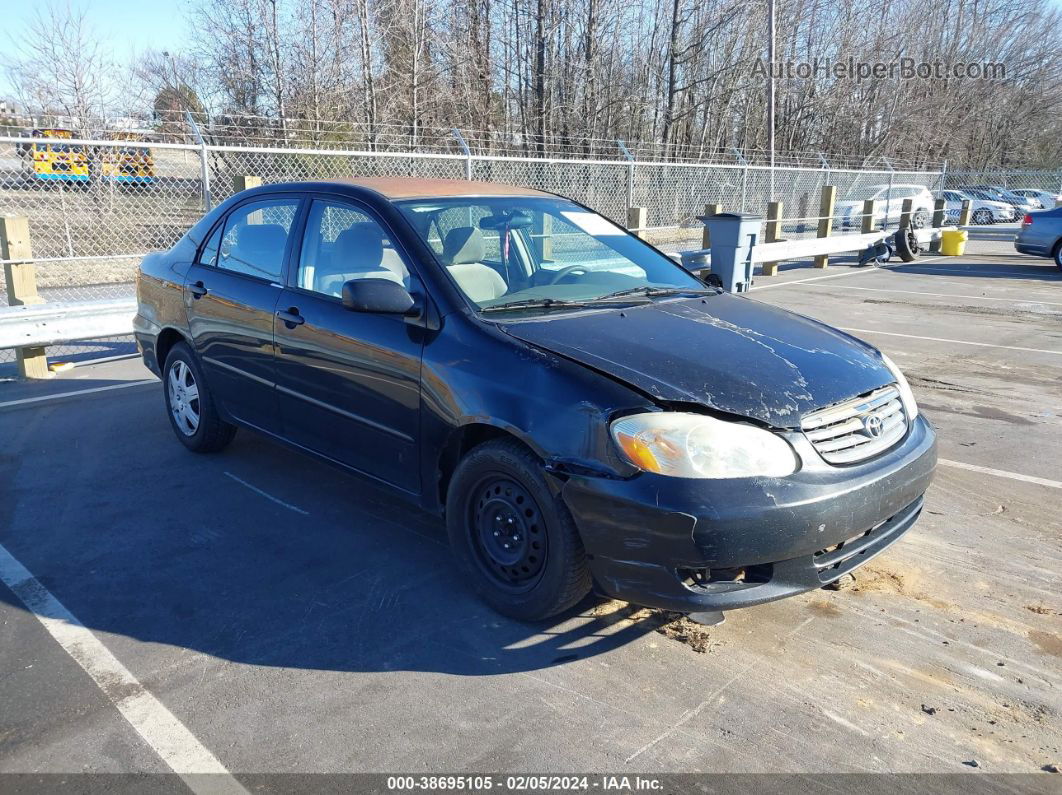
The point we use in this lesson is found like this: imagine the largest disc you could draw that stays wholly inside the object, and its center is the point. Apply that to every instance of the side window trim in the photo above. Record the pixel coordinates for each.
(219, 229)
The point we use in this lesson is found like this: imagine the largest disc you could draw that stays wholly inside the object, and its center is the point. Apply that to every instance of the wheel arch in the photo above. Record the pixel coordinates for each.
(463, 439)
(164, 342)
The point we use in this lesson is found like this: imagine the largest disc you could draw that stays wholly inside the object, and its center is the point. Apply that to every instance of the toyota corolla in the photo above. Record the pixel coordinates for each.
(583, 411)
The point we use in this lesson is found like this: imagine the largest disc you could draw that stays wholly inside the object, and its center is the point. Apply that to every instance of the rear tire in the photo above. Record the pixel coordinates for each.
(513, 539)
(190, 406)
(1057, 255)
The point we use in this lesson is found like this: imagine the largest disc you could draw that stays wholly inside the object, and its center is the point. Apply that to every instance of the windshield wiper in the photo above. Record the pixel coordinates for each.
(652, 292)
(533, 303)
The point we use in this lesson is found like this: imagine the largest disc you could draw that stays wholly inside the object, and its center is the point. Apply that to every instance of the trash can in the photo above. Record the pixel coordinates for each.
(953, 242)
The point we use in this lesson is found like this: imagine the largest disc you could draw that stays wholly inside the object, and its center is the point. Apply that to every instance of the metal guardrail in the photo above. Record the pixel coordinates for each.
(40, 325)
(787, 250)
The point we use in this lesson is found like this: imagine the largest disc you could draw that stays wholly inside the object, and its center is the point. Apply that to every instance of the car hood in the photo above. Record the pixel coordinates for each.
(724, 352)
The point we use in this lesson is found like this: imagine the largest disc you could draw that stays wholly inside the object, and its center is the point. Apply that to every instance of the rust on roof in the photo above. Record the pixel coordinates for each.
(418, 188)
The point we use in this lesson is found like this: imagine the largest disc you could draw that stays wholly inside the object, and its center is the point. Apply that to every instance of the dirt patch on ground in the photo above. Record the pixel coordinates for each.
(980, 311)
(1047, 642)
(827, 609)
(878, 578)
(875, 579)
(675, 626)
(1042, 610)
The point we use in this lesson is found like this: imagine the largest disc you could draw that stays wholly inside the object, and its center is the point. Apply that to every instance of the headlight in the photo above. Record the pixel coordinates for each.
(906, 395)
(685, 445)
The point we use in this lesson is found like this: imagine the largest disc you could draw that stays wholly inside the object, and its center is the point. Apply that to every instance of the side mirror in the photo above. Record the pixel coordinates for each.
(379, 296)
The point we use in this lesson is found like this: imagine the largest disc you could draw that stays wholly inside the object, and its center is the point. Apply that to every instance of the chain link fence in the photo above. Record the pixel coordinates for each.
(1048, 181)
(95, 207)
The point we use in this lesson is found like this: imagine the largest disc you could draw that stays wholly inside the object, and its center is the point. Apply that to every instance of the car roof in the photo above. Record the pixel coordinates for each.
(421, 188)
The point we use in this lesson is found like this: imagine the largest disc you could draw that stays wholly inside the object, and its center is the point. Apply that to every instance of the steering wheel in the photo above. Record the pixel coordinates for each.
(556, 276)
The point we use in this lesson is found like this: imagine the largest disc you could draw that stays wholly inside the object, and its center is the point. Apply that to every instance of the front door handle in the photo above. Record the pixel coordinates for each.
(198, 290)
(291, 317)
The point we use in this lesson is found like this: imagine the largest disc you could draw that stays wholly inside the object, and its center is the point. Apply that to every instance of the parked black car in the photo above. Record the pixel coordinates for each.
(582, 410)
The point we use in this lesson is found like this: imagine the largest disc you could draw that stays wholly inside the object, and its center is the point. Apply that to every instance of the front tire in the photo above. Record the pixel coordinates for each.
(190, 406)
(982, 217)
(513, 539)
(1057, 256)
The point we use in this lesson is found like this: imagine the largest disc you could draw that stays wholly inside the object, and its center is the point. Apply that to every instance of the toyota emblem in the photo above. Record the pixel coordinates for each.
(873, 426)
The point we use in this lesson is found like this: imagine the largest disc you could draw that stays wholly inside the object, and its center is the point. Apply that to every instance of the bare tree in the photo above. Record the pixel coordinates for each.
(61, 66)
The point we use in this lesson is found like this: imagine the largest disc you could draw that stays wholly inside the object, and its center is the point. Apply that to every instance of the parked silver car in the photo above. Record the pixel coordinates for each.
(889, 205)
(983, 211)
(1023, 204)
(1041, 235)
(1047, 198)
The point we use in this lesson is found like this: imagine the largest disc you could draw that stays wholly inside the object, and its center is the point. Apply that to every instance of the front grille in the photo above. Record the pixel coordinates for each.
(857, 429)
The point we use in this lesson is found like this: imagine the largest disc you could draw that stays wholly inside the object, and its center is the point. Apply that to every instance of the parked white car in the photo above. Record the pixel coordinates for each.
(1048, 199)
(983, 211)
(889, 205)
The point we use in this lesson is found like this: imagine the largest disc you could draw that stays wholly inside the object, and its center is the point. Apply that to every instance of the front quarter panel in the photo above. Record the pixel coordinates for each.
(472, 373)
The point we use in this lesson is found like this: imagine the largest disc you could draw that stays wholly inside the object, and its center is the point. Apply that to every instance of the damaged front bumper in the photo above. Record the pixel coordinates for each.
(710, 545)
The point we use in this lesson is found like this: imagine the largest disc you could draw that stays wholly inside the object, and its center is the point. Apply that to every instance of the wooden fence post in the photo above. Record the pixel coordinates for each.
(938, 222)
(244, 182)
(870, 207)
(905, 213)
(826, 206)
(772, 234)
(965, 212)
(706, 236)
(637, 221)
(21, 278)
(543, 230)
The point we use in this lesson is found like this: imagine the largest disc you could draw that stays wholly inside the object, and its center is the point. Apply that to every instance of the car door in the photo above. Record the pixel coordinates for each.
(348, 383)
(231, 292)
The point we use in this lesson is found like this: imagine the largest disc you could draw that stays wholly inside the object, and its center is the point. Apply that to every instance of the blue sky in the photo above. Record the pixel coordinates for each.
(128, 26)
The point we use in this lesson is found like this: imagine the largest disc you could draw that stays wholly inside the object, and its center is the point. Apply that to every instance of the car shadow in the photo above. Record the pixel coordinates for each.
(257, 555)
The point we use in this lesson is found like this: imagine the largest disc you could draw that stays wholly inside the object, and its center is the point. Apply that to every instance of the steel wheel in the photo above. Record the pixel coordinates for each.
(507, 533)
(184, 398)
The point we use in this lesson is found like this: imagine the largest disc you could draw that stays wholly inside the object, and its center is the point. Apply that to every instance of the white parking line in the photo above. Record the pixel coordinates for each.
(159, 727)
(856, 271)
(268, 496)
(75, 393)
(942, 339)
(938, 295)
(1002, 473)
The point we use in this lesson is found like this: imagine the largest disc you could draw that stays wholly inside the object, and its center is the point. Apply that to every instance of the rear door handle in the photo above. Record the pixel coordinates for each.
(291, 317)
(197, 290)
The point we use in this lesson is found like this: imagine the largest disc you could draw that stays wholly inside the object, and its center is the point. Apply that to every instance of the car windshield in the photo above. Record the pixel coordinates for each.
(526, 254)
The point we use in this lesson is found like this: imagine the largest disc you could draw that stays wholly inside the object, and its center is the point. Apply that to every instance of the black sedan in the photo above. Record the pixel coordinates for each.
(583, 411)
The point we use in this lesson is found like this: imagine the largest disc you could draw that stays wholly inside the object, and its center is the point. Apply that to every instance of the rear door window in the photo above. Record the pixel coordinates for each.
(256, 237)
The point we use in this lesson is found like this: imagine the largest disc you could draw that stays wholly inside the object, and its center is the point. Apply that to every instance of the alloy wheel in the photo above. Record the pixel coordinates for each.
(184, 397)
